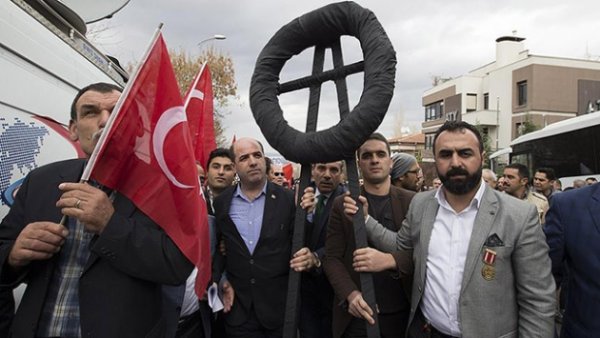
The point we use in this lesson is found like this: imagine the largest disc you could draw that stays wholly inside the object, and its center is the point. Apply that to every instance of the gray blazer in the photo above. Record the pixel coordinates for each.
(519, 301)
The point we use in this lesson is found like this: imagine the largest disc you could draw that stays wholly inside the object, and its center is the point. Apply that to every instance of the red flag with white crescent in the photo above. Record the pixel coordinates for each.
(200, 114)
(147, 155)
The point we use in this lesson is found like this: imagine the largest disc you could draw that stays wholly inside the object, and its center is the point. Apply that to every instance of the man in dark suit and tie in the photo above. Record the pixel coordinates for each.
(101, 273)
(255, 220)
(316, 292)
(573, 234)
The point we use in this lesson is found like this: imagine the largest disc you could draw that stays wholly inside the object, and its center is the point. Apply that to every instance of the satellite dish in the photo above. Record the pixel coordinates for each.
(68, 14)
(95, 10)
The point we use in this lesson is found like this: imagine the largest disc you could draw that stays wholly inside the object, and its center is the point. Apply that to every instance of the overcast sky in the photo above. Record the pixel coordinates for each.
(431, 37)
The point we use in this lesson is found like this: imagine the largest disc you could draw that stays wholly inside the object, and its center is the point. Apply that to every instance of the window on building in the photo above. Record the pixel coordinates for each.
(520, 127)
(486, 101)
(522, 93)
(471, 102)
(434, 110)
(429, 141)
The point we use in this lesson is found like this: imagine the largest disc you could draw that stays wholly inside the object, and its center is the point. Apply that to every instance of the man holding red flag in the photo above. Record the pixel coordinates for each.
(146, 154)
(100, 273)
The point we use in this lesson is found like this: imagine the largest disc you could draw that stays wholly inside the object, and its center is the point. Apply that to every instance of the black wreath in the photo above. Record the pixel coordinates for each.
(323, 27)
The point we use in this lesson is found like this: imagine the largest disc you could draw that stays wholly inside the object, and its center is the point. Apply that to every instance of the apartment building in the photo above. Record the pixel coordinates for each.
(516, 91)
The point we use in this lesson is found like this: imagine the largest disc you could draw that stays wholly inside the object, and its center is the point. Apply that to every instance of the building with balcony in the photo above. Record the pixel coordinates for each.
(513, 93)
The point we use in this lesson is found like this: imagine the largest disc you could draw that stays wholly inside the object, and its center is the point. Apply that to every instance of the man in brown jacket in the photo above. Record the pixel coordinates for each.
(388, 205)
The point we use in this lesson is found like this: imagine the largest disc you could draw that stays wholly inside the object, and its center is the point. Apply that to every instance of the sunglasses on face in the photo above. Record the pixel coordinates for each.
(278, 174)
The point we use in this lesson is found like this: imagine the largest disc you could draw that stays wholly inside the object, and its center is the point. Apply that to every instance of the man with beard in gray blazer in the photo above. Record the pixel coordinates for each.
(481, 261)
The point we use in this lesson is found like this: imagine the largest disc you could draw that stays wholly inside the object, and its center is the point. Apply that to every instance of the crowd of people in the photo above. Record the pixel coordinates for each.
(475, 256)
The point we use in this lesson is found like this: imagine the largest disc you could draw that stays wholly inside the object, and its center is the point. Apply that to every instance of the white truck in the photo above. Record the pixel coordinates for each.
(44, 60)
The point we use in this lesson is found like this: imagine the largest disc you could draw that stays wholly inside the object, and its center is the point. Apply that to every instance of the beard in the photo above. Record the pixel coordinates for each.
(462, 186)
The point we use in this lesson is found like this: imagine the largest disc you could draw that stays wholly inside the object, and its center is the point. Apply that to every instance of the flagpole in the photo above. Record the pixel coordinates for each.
(94, 156)
(188, 98)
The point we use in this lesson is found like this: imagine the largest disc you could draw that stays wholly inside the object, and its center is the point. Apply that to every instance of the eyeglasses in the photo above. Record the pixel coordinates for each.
(277, 174)
(416, 171)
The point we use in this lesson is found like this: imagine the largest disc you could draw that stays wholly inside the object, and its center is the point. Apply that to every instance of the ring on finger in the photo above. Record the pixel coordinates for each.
(78, 204)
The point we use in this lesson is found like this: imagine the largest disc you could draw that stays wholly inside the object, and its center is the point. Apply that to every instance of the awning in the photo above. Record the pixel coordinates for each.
(507, 150)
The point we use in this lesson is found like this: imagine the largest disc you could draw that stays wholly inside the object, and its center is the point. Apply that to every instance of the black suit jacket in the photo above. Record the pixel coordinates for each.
(7, 311)
(120, 287)
(315, 239)
(314, 282)
(259, 279)
(573, 233)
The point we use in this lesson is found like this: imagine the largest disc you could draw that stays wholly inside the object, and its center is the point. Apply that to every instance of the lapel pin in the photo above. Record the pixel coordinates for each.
(273, 196)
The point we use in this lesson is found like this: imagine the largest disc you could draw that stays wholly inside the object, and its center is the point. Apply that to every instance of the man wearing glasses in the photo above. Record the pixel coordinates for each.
(276, 174)
(406, 173)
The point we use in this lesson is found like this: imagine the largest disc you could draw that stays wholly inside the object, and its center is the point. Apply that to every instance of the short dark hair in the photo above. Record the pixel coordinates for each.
(593, 179)
(523, 170)
(549, 172)
(100, 87)
(219, 152)
(455, 126)
(268, 162)
(377, 137)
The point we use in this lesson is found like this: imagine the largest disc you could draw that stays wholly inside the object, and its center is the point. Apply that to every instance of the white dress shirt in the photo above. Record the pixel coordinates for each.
(190, 300)
(446, 262)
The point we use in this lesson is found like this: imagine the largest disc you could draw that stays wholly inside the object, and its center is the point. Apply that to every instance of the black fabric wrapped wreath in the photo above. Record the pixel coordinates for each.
(322, 27)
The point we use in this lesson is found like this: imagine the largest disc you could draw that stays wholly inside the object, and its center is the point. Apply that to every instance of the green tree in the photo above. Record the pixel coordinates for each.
(186, 67)
(527, 126)
(487, 147)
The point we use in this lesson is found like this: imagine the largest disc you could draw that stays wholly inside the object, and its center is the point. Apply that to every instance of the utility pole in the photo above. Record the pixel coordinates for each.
(497, 121)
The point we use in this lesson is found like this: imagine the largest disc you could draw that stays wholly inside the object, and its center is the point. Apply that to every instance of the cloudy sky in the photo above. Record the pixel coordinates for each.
(431, 37)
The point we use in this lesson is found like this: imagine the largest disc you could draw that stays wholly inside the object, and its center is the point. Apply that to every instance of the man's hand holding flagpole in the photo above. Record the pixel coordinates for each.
(145, 152)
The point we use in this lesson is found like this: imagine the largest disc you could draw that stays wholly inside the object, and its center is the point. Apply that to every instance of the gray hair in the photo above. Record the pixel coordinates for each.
(491, 173)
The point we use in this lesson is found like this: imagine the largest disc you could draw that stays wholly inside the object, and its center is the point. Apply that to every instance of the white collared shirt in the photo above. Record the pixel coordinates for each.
(311, 216)
(190, 300)
(448, 247)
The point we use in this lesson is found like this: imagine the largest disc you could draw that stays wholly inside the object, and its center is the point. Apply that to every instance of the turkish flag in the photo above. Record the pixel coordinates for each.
(199, 110)
(146, 154)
